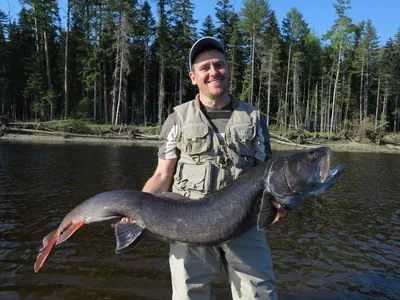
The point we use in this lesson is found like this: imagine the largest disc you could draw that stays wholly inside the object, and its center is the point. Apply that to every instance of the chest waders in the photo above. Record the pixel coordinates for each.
(206, 165)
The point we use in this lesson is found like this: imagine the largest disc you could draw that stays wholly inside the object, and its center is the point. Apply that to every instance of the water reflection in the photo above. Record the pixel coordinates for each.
(342, 245)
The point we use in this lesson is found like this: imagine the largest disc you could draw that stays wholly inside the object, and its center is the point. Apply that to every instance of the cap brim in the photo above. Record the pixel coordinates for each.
(202, 44)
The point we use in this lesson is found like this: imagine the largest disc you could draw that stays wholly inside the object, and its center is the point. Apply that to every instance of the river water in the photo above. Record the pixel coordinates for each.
(344, 244)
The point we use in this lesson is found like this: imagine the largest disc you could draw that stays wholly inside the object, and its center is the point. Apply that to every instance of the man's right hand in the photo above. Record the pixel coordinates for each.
(127, 220)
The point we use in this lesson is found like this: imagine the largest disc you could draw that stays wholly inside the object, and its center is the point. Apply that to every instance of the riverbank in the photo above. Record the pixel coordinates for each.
(151, 140)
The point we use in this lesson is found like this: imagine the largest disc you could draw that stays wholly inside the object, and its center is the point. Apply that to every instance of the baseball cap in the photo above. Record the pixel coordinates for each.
(202, 44)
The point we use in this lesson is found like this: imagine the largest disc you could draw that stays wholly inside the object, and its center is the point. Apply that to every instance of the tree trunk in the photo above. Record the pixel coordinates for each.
(119, 91)
(66, 90)
(308, 119)
(48, 72)
(271, 57)
(287, 85)
(259, 87)
(366, 90)
(321, 128)
(252, 68)
(377, 103)
(95, 101)
(105, 93)
(181, 88)
(316, 107)
(114, 91)
(161, 91)
(396, 115)
(361, 89)
(335, 88)
(37, 34)
(144, 84)
(295, 91)
(347, 101)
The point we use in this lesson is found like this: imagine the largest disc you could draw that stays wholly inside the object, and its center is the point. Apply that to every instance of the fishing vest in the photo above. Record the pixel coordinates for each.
(206, 164)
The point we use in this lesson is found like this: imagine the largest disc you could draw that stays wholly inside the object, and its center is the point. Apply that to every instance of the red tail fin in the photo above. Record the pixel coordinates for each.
(48, 243)
(54, 238)
(70, 231)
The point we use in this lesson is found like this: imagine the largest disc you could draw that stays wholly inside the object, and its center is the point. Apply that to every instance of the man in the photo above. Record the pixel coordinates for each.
(205, 144)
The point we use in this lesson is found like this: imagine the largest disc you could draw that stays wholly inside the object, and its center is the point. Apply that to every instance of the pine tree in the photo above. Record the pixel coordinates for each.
(208, 28)
(4, 56)
(163, 42)
(339, 37)
(294, 31)
(146, 33)
(271, 48)
(224, 13)
(236, 57)
(184, 33)
(254, 16)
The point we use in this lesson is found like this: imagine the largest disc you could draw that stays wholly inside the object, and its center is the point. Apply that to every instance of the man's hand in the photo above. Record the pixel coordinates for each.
(281, 212)
(127, 220)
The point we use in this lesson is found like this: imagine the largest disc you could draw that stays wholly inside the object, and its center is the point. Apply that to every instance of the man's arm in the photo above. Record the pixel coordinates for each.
(162, 179)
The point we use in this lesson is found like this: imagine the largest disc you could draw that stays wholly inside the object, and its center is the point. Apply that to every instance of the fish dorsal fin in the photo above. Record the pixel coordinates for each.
(128, 235)
(267, 211)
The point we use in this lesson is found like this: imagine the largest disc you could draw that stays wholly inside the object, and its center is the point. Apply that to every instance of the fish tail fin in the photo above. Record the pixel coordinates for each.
(70, 231)
(54, 238)
(48, 243)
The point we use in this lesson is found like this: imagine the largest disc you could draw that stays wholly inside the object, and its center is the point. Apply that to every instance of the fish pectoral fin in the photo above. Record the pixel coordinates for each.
(128, 236)
(70, 231)
(48, 244)
(267, 213)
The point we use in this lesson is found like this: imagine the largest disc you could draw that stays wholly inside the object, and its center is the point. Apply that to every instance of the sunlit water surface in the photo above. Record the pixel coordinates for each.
(344, 244)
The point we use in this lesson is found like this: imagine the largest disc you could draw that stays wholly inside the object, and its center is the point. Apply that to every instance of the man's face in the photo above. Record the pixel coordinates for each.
(210, 72)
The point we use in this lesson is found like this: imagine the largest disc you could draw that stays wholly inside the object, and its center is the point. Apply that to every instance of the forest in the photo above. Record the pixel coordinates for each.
(118, 62)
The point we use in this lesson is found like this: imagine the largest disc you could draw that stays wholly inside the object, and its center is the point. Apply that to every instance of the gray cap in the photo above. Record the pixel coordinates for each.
(202, 44)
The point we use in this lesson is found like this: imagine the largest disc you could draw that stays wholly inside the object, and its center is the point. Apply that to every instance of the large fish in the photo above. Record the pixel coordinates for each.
(212, 220)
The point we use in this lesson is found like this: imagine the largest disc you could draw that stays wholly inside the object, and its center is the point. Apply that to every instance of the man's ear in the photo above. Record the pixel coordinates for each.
(193, 78)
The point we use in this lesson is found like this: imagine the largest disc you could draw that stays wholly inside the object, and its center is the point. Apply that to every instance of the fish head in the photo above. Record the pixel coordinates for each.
(295, 177)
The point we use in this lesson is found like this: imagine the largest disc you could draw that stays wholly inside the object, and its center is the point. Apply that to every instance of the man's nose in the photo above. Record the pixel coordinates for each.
(213, 70)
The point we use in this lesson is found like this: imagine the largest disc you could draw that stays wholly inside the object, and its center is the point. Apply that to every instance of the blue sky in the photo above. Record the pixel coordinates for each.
(319, 14)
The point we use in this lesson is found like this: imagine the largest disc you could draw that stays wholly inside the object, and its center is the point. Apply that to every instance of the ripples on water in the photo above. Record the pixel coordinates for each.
(344, 244)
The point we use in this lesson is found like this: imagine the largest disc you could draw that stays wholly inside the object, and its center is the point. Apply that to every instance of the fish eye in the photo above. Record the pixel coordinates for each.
(315, 154)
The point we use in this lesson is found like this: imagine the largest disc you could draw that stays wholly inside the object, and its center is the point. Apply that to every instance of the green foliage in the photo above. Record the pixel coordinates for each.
(294, 28)
(83, 109)
(104, 32)
(225, 24)
(208, 28)
(74, 126)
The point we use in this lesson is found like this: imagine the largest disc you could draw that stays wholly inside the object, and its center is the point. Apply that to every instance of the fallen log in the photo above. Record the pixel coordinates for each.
(66, 134)
(291, 143)
(383, 141)
(276, 136)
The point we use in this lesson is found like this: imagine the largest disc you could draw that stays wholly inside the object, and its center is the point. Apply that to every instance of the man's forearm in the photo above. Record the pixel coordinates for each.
(157, 184)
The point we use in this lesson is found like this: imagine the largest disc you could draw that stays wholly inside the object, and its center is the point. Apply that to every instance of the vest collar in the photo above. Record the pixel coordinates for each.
(235, 102)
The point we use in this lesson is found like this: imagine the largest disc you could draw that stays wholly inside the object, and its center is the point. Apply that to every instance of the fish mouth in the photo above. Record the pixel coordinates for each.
(324, 168)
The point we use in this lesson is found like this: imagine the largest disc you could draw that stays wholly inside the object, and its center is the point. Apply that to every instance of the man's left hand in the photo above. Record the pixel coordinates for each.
(281, 212)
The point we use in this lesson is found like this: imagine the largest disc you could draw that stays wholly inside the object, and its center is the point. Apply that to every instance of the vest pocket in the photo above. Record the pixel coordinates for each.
(243, 139)
(196, 138)
(190, 177)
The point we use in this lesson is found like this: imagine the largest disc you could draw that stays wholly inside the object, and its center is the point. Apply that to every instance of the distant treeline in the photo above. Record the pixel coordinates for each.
(113, 61)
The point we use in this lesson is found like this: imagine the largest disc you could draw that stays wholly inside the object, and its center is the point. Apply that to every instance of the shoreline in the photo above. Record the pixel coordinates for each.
(337, 146)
